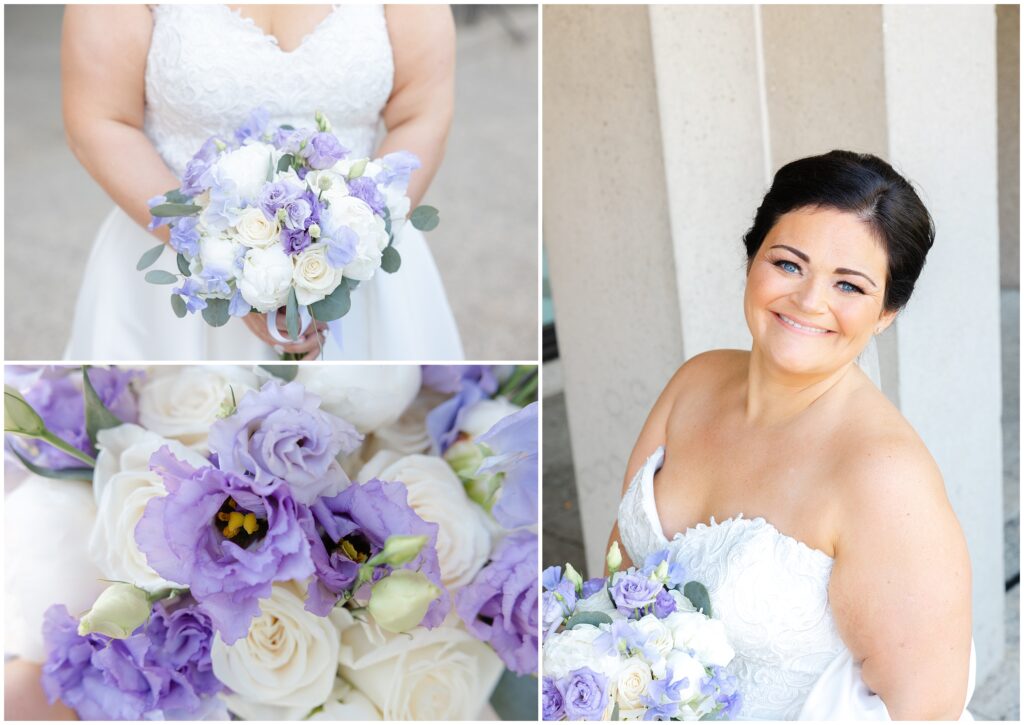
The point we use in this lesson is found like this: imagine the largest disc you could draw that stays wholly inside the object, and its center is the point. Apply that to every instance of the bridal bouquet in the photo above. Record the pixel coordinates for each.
(267, 542)
(636, 645)
(282, 217)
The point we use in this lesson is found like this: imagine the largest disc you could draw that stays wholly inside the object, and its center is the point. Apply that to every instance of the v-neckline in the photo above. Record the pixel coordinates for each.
(272, 39)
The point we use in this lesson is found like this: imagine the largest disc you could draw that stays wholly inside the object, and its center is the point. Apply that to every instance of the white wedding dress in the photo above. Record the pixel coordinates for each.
(208, 68)
(771, 593)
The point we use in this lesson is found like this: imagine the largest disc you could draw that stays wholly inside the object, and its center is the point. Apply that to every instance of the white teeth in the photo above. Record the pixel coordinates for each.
(797, 325)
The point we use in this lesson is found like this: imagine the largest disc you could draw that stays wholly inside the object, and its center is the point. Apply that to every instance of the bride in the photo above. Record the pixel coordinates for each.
(830, 552)
(145, 86)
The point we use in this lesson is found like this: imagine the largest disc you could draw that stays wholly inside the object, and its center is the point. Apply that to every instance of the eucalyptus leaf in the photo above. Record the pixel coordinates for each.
(515, 697)
(334, 306)
(615, 713)
(178, 305)
(270, 167)
(697, 593)
(352, 283)
(424, 218)
(357, 169)
(216, 312)
(287, 373)
(291, 315)
(159, 276)
(150, 256)
(390, 260)
(97, 416)
(286, 161)
(174, 196)
(71, 474)
(175, 210)
(594, 618)
(387, 228)
(287, 127)
(183, 265)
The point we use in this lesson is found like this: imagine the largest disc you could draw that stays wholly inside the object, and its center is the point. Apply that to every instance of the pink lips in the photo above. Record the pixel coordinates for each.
(800, 322)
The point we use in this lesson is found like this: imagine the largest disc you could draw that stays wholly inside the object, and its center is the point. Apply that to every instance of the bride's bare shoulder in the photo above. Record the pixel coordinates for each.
(707, 372)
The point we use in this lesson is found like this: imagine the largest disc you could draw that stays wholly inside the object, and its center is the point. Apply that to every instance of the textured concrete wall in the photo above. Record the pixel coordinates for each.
(949, 335)
(609, 245)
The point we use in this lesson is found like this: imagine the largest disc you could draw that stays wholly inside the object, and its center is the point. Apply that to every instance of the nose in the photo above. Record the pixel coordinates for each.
(811, 295)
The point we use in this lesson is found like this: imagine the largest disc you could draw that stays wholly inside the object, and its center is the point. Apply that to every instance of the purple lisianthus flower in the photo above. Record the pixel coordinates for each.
(193, 537)
(500, 605)
(254, 126)
(280, 433)
(593, 586)
(364, 515)
(633, 592)
(162, 671)
(552, 703)
(189, 291)
(398, 167)
(59, 401)
(185, 236)
(323, 150)
(365, 188)
(196, 179)
(297, 213)
(664, 604)
(295, 240)
(585, 694)
(512, 442)
(450, 378)
(274, 196)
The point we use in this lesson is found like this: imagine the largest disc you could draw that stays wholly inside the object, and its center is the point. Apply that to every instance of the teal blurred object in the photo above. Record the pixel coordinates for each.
(515, 697)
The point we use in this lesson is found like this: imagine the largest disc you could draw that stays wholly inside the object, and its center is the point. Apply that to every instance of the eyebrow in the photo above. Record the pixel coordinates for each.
(838, 270)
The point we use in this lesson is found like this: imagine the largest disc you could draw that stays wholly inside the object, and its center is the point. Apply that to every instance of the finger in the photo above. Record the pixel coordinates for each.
(313, 354)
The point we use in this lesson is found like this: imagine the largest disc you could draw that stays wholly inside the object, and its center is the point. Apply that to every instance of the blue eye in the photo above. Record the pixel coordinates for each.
(850, 287)
(787, 266)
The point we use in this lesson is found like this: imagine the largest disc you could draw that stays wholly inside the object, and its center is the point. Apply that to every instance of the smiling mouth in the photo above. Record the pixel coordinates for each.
(794, 325)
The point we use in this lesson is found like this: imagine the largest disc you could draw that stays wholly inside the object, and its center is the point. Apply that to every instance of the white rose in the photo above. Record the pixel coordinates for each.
(218, 254)
(122, 486)
(266, 278)
(436, 494)
(314, 277)
(367, 396)
(46, 529)
(683, 666)
(336, 188)
(398, 207)
(706, 637)
(346, 703)
(658, 636)
(571, 649)
(427, 674)
(183, 402)
(483, 415)
(631, 683)
(254, 230)
(287, 663)
(370, 230)
(247, 168)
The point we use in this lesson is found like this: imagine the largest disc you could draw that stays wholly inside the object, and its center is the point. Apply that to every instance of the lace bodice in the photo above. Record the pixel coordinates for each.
(770, 591)
(209, 67)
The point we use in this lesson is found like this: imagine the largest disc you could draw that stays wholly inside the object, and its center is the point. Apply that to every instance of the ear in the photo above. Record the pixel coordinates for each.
(884, 320)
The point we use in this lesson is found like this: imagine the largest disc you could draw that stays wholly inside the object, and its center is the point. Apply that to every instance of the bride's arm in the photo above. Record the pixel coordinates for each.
(901, 583)
(419, 112)
(24, 698)
(103, 66)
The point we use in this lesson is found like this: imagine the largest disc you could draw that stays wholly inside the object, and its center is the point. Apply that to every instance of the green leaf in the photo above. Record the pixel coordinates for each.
(149, 257)
(515, 697)
(74, 474)
(270, 167)
(287, 373)
(286, 161)
(159, 276)
(615, 713)
(424, 218)
(183, 265)
(334, 306)
(174, 196)
(387, 227)
(97, 416)
(175, 210)
(178, 305)
(352, 283)
(390, 260)
(291, 315)
(216, 312)
(594, 618)
(287, 127)
(357, 169)
(697, 593)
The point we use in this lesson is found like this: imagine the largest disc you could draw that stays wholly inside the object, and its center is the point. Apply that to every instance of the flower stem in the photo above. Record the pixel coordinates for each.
(66, 447)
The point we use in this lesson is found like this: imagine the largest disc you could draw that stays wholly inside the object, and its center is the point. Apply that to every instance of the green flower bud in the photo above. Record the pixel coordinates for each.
(119, 610)
(19, 416)
(282, 215)
(400, 601)
(614, 558)
(399, 551)
(324, 182)
(574, 576)
(321, 121)
(314, 231)
(465, 458)
(219, 144)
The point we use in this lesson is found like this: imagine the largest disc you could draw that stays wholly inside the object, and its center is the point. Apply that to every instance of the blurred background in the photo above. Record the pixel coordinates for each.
(485, 248)
(662, 129)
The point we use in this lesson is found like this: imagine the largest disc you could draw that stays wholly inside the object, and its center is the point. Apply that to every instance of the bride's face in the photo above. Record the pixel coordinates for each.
(815, 290)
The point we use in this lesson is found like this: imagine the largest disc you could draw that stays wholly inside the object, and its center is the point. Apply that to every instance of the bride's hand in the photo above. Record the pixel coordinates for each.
(24, 698)
(309, 343)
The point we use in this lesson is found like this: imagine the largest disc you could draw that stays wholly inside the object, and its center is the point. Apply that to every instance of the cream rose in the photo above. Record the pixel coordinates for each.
(631, 683)
(266, 278)
(255, 230)
(183, 402)
(247, 168)
(346, 703)
(46, 529)
(314, 277)
(371, 232)
(427, 674)
(367, 396)
(122, 486)
(285, 667)
(436, 495)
